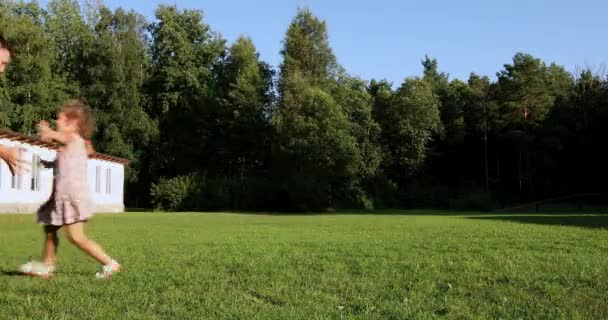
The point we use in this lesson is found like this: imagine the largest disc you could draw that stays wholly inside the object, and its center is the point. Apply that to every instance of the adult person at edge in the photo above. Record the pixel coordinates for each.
(8, 155)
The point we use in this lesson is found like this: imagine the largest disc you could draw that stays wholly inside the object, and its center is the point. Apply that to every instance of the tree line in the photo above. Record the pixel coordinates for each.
(208, 125)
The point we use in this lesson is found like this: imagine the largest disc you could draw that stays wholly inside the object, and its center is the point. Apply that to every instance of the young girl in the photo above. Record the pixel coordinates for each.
(71, 206)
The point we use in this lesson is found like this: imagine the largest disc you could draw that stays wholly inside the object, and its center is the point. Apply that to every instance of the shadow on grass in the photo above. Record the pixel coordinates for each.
(14, 273)
(584, 221)
(384, 212)
(11, 273)
(139, 210)
(422, 212)
(379, 212)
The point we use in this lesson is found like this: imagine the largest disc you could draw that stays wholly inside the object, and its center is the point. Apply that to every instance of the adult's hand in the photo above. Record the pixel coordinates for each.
(13, 160)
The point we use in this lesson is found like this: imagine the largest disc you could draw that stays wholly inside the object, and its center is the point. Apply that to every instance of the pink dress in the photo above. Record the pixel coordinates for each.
(71, 199)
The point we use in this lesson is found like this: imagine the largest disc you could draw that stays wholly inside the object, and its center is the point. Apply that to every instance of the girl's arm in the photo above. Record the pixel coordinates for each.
(48, 134)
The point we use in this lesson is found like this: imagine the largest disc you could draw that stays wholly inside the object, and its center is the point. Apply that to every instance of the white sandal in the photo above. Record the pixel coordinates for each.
(37, 269)
(108, 270)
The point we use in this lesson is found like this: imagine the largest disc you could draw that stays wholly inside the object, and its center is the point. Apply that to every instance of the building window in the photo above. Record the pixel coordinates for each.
(35, 173)
(17, 181)
(97, 179)
(108, 180)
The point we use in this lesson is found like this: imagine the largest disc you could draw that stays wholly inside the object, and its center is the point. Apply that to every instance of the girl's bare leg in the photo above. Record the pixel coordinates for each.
(75, 233)
(51, 242)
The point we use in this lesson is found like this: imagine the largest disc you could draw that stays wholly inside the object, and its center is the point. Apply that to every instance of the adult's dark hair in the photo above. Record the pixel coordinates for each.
(4, 43)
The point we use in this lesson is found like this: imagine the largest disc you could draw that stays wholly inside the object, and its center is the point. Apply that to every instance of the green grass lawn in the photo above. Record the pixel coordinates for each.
(400, 266)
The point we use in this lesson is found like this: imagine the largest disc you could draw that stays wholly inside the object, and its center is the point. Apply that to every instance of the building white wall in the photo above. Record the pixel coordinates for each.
(25, 199)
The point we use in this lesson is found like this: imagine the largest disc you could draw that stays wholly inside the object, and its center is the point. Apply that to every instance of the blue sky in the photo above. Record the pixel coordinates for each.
(388, 38)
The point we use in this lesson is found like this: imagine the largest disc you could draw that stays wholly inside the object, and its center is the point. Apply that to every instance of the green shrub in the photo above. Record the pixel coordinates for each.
(173, 194)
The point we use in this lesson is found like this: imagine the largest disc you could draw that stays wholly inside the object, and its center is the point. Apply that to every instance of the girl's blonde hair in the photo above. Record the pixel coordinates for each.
(77, 110)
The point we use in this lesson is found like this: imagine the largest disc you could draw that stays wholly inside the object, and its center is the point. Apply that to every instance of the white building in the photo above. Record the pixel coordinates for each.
(24, 193)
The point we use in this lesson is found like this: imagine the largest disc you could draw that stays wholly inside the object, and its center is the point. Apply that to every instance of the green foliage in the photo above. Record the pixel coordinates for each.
(313, 137)
(452, 112)
(245, 85)
(481, 113)
(525, 92)
(356, 102)
(176, 100)
(31, 90)
(205, 192)
(182, 89)
(72, 40)
(306, 50)
(114, 86)
(325, 135)
(410, 124)
(173, 194)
